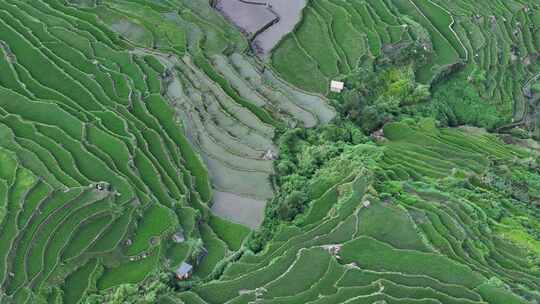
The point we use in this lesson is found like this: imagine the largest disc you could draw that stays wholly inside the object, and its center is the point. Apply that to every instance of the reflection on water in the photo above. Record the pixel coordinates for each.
(253, 16)
(239, 209)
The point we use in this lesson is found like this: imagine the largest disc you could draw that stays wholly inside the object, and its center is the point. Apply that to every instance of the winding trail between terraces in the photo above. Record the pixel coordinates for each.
(527, 93)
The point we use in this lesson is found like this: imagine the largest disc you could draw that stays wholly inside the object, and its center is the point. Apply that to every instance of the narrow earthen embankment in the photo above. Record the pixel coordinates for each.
(265, 23)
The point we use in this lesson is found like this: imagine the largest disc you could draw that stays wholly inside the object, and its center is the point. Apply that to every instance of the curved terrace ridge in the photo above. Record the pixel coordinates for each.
(265, 23)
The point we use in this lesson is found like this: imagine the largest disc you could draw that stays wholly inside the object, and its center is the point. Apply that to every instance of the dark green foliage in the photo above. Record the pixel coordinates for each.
(146, 293)
(379, 97)
(231, 233)
(302, 154)
(457, 102)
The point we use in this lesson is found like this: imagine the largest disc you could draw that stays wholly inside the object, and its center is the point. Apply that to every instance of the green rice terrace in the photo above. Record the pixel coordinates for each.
(233, 151)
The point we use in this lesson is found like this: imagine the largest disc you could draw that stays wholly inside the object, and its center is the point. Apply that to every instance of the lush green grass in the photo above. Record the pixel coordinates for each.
(320, 207)
(358, 277)
(154, 222)
(374, 255)
(493, 294)
(77, 282)
(217, 251)
(309, 267)
(129, 272)
(231, 233)
(82, 101)
(399, 231)
(84, 236)
(113, 234)
(298, 68)
(158, 107)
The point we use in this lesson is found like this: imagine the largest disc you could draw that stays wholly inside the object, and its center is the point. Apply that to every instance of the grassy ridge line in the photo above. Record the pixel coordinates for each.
(62, 236)
(313, 44)
(37, 252)
(353, 45)
(107, 241)
(15, 258)
(324, 287)
(192, 160)
(78, 282)
(202, 62)
(65, 78)
(129, 272)
(17, 187)
(33, 159)
(451, 220)
(462, 51)
(71, 141)
(85, 235)
(351, 279)
(343, 65)
(28, 136)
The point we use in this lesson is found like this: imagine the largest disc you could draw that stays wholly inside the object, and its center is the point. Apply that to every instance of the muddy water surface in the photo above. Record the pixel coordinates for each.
(239, 209)
(251, 17)
(290, 13)
(248, 17)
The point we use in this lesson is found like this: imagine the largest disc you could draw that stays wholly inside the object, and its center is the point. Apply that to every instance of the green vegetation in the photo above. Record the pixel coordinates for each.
(231, 233)
(95, 164)
(153, 224)
(126, 127)
(491, 45)
(430, 221)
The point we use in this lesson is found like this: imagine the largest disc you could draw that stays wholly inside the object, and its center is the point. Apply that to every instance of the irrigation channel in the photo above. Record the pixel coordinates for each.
(264, 22)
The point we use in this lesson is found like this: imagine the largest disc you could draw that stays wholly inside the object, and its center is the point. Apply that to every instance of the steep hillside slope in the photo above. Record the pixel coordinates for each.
(495, 44)
(403, 225)
(123, 124)
(138, 135)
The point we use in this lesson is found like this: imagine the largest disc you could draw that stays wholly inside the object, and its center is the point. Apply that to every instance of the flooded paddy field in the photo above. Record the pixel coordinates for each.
(239, 209)
(258, 19)
(234, 143)
(249, 17)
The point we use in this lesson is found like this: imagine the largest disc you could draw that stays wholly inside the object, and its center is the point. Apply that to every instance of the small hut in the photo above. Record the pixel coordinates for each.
(183, 272)
(270, 155)
(178, 237)
(336, 86)
(366, 204)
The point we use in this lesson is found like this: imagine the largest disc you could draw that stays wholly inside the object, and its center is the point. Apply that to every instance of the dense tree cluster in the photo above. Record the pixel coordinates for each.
(457, 102)
(379, 97)
(145, 293)
(303, 152)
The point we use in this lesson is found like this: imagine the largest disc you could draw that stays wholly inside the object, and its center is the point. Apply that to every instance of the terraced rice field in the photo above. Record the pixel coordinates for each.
(137, 135)
(385, 247)
(118, 122)
(497, 37)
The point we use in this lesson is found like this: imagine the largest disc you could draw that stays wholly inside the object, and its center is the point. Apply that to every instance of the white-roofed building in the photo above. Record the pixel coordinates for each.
(336, 86)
